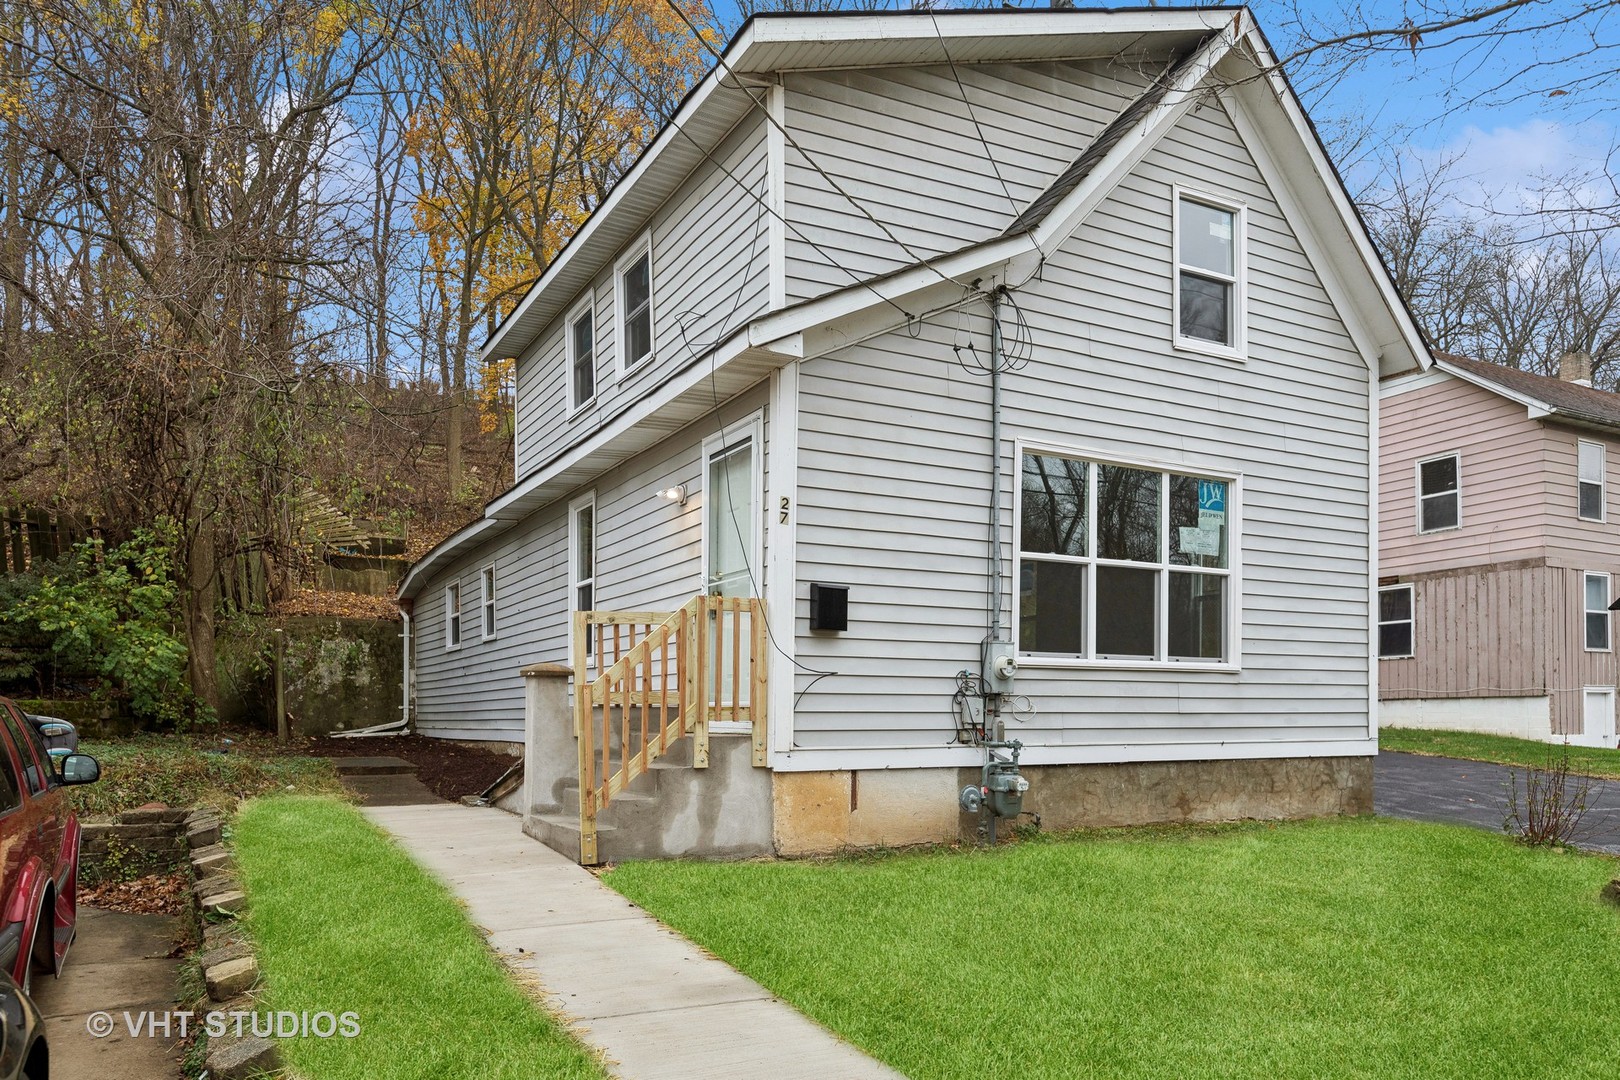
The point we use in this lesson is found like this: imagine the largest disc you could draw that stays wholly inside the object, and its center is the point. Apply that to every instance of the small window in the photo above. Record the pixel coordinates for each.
(1597, 612)
(452, 616)
(38, 777)
(582, 356)
(635, 307)
(1439, 493)
(1395, 622)
(486, 599)
(1209, 275)
(582, 558)
(1591, 469)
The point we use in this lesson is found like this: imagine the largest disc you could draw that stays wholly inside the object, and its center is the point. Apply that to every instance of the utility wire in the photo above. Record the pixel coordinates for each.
(989, 155)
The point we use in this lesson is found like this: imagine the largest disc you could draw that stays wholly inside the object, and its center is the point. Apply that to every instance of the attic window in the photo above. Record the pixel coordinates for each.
(1209, 275)
(635, 305)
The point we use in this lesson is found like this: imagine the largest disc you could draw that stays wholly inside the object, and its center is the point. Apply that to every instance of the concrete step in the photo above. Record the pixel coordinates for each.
(632, 798)
(372, 766)
(560, 832)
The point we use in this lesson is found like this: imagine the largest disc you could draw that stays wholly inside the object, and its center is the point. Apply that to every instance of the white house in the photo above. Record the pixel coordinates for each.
(761, 371)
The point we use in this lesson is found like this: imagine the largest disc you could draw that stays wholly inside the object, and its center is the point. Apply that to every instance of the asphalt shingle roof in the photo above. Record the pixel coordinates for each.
(1565, 398)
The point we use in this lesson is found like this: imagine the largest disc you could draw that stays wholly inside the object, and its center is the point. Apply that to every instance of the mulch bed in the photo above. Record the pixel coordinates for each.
(449, 770)
(156, 894)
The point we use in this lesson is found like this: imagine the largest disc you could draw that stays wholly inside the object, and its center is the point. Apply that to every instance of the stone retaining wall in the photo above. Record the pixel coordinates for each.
(132, 844)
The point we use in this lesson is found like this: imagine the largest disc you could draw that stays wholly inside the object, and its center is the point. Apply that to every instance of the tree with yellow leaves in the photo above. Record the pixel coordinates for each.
(530, 109)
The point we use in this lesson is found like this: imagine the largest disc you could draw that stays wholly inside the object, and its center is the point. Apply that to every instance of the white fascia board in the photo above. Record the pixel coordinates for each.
(1073, 209)
(1333, 190)
(672, 131)
(1417, 380)
(990, 24)
(1538, 409)
(417, 574)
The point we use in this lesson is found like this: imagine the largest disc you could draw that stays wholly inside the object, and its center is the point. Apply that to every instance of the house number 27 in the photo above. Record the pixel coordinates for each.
(785, 504)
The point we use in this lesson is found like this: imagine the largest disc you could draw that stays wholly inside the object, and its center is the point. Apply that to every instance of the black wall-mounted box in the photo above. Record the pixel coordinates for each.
(829, 606)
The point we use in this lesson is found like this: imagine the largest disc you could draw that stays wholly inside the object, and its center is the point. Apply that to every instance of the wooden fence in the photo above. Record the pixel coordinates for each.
(30, 536)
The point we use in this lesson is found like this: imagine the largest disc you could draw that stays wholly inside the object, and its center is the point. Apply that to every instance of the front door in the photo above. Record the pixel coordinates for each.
(731, 563)
(1599, 716)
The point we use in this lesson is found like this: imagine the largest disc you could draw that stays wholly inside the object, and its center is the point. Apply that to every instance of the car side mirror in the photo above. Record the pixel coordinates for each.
(80, 769)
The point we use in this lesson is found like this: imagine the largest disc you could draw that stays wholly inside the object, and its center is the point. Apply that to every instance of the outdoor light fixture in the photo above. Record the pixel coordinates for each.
(676, 494)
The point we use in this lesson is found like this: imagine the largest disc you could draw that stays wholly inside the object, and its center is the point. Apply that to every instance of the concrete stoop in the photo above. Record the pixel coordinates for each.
(672, 811)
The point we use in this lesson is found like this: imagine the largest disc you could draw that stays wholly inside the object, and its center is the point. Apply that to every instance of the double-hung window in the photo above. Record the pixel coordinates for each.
(1123, 564)
(1439, 484)
(1590, 482)
(1395, 622)
(452, 615)
(581, 356)
(486, 600)
(582, 557)
(635, 305)
(1209, 275)
(1596, 592)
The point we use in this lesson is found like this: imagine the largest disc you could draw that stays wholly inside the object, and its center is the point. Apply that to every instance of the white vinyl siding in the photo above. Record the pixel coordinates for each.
(1597, 620)
(708, 241)
(1591, 493)
(1396, 622)
(894, 491)
(1439, 487)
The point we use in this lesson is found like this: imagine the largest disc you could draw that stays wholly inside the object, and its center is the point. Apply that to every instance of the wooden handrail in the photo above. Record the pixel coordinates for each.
(640, 682)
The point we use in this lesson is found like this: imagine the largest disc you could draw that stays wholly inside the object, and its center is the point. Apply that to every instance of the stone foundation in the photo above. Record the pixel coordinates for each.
(820, 812)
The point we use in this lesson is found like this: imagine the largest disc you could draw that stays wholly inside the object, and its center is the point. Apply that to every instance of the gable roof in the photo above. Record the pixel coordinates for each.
(1545, 396)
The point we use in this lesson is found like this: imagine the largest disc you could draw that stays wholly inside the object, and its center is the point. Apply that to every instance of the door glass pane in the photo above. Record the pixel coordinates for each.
(585, 541)
(1206, 238)
(1125, 603)
(1051, 608)
(1127, 514)
(1053, 506)
(731, 521)
(1197, 616)
(1198, 522)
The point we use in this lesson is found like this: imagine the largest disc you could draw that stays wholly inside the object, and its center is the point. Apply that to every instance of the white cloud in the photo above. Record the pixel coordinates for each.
(1510, 167)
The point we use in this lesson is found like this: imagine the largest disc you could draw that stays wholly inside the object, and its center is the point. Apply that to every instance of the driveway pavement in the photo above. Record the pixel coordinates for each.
(1476, 793)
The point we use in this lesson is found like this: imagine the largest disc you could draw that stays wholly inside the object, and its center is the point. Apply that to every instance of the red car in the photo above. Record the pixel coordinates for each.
(39, 849)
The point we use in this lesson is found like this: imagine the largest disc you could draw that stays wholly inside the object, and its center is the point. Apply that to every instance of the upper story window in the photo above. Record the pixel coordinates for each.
(1439, 483)
(1395, 622)
(1591, 468)
(635, 305)
(1123, 564)
(1209, 275)
(452, 616)
(581, 356)
(486, 600)
(1596, 589)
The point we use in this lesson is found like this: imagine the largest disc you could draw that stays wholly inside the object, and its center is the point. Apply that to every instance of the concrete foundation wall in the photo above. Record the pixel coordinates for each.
(1521, 717)
(821, 812)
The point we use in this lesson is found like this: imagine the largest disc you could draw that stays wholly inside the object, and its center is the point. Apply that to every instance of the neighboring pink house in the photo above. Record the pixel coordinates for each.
(1499, 552)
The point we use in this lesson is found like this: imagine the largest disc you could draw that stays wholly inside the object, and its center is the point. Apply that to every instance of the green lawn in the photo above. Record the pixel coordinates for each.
(343, 920)
(1499, 748)
(1348, 948)
(181, 770)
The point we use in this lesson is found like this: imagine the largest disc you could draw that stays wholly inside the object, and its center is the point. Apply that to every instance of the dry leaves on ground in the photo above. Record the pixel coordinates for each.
(339, 604)
(155, 894)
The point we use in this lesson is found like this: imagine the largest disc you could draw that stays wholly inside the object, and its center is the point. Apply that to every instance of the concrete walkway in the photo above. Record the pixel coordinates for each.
(655, 1004)
(119, 963)
(1427, 788)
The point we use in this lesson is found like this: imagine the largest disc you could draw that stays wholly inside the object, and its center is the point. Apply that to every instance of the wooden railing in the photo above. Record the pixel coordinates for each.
(654, 678)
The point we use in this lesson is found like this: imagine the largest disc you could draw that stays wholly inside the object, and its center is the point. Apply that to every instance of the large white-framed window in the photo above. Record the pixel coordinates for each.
(452, 615)
(633, 298)
(1211, 274)
(1396, 622)
(582, 557)
(580, 332)
(486, 601)
(1439, 493)
(1591, 467)
(1595, 593)
(1123, 563)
